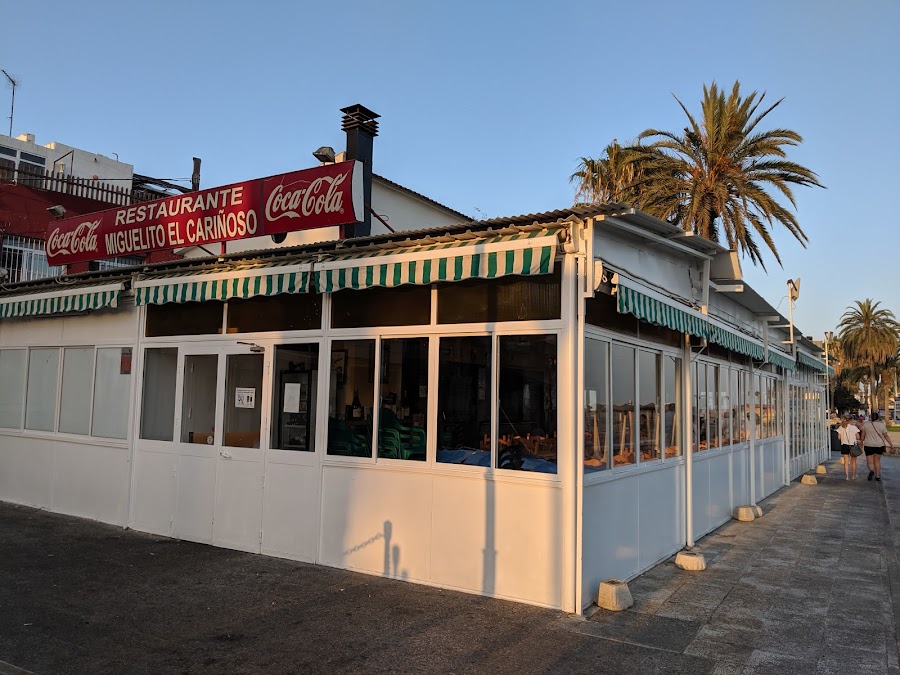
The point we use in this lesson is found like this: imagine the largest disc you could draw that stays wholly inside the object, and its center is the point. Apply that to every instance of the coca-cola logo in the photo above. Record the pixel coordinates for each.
(82, 239)
(321, 196)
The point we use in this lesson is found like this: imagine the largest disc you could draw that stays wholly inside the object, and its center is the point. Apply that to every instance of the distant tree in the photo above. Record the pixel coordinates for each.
(869, 337)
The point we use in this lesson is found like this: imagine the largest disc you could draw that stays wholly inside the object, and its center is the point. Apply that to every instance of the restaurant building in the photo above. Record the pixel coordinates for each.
(520, 407)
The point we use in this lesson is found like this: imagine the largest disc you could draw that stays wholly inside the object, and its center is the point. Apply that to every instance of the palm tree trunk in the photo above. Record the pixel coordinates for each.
(872, 398)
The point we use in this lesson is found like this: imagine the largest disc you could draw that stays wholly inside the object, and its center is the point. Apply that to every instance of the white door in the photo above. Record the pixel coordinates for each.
(196, 446)
(237, 521)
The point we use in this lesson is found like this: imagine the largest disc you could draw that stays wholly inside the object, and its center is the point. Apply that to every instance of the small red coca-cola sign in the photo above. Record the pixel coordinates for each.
(320, 197)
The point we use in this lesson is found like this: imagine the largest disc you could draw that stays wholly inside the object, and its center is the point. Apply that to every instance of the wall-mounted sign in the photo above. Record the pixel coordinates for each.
(319, 197)
(244, 397)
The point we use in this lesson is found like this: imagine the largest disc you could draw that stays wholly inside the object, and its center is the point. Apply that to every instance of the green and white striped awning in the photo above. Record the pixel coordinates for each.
(810, 362)
(246, 281)
(659, 313)
(782, 360)
(478, 257)
(731, 339)
(79, 299)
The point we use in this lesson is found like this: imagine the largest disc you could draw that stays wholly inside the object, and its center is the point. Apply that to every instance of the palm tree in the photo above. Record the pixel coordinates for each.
(869, 336)
(715, 178)
(607, 179)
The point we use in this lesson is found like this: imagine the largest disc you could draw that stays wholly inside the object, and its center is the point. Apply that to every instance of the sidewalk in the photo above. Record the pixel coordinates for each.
(812, 587)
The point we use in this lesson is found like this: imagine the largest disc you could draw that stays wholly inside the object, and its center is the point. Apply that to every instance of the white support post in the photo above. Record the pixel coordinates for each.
(687, 435)
(751, 432)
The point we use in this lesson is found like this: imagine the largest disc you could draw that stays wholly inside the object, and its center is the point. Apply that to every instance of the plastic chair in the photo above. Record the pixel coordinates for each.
(410, 439)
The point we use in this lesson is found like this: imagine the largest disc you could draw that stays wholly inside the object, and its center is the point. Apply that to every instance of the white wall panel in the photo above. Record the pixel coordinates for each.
(611, 540)
(195, 498)
(291, 511)
(91, 481)
(105, 325)
(376, 521)
(702, 523)
(25, 470)
(661, 528)
(153, 496)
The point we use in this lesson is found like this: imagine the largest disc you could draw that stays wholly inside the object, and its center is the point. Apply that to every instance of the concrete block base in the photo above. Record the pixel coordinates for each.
(691, 561)
(821, 469)
(757, 511)
(614, 595)
(809, 479)
(744, 514)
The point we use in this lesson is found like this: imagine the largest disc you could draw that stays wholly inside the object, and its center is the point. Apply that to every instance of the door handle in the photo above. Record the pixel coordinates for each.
(225, 454)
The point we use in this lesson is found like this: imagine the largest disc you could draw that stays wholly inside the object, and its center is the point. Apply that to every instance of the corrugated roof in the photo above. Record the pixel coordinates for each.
(619, 210)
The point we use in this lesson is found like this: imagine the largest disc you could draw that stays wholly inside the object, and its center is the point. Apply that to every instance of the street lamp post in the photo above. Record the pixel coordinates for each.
(828, 337)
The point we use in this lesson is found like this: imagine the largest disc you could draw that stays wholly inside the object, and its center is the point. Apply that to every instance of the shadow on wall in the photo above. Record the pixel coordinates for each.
(391, 569)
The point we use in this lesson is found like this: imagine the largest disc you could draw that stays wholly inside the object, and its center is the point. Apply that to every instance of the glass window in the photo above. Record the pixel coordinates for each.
(648, 387)
(724, 406)
(596, 406)
(112, 393)
(401, 306)
(622, 397)
(512, 298)
(404, 398)
(464, 396)
(243, 408)
(198, 405)
(75, 403)
(672, 419)
(526, 439)
(735, 394)
(758, 402)
(40, 401)
(702, 408)
(712, 402)
(695, 408)
(288, 311)
(185, 318)
(351, 393)
(12, 393)
(158, 399)
(296, 395)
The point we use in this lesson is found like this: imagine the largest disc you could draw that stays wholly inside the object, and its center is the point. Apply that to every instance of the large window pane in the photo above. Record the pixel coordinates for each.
(648, 374)
(526, 422)
(404, 399)
(596, 406)
(198, 405)
(351, 394)
(40, 402)
(464, 395)
(735, 413)
(672, 418)
(508, 299)
(12, 392)
(296, 394)
(401, 306)
(185, 318)
(243, 407)
(623, 405)
(712, 401)
(158, 399)
(695, 408)
(288, 311)
(75, 404)
(112, 393)
(758, 402)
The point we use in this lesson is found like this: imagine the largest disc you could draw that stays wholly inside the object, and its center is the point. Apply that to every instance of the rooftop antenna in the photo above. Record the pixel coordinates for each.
(12, 106)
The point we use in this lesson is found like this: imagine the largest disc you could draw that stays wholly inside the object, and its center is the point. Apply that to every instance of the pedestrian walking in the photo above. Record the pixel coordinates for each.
(849, 435)
(875, 437)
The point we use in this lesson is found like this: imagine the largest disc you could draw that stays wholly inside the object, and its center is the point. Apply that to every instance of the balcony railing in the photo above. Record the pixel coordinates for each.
(37, 177)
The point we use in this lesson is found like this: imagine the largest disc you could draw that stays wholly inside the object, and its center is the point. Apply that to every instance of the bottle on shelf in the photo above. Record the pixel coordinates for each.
(356, 407)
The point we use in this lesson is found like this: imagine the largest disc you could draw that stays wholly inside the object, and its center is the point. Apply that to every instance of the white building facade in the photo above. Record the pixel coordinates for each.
(518, 408)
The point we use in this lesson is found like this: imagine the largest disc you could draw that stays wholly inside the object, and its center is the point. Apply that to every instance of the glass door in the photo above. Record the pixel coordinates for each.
(240, 461)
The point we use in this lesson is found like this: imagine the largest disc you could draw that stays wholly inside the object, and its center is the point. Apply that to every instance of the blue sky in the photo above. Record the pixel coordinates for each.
(486, 106)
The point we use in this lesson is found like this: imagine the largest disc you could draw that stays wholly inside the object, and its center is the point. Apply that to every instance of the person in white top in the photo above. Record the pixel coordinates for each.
(874, 439)
(848, 434)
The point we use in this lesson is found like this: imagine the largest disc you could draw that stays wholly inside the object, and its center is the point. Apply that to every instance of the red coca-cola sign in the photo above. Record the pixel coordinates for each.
(302, 200)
